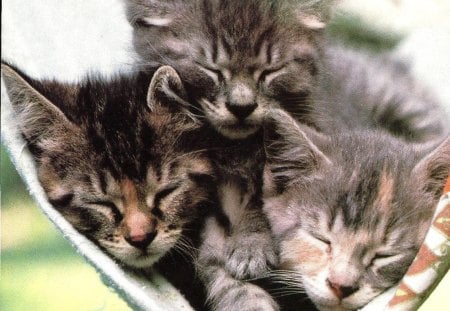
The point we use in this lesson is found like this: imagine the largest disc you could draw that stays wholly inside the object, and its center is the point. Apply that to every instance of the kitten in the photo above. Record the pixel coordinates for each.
(235, 57)
(116, 158)
(349, 209)
(228, 77)
(239, 58)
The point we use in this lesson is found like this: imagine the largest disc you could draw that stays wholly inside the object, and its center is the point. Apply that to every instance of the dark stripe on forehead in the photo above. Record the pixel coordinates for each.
(332, 219)
(261, 39)
(173, 167)
(214, 49)
(269, 53)
(358, 202)
(227, 46)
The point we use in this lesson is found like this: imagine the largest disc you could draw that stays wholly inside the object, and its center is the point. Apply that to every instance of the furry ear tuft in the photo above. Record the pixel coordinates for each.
(38, 118)
(434, 169)
(166, 91)
(314, 14)
(290, 152)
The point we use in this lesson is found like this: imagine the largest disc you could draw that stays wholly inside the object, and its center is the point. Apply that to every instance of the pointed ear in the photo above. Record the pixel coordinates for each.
(434, 169)
(314, 15)
(37, 117)
(292, 153)
(166, 92)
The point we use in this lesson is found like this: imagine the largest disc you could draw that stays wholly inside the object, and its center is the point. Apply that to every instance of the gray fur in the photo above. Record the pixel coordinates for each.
(359, 90)
(240, 59)
(236, 58)
(361, 208)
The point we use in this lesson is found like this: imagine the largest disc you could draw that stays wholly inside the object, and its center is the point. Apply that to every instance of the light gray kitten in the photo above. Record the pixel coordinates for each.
(349, 209)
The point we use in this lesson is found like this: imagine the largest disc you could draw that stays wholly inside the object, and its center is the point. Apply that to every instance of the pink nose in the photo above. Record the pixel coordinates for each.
(140, 229)
(342, 291)
(141, 240)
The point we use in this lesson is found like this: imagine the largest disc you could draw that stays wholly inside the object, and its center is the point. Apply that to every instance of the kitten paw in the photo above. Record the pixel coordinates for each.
(246, 297)
(250, 256)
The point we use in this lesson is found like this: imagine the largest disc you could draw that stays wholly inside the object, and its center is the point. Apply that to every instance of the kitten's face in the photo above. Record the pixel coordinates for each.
(136, 221)
(349, 213)
(340, 264)
(236, 58)
(117, 172)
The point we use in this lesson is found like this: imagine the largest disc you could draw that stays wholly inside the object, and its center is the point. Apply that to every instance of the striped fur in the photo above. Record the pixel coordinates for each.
(128, 178)
(238, 59)
(350, 224)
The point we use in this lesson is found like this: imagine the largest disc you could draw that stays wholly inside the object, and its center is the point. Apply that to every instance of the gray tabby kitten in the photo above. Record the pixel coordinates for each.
(239, 58)
(116, 158)
(349, 209)
(236, 58)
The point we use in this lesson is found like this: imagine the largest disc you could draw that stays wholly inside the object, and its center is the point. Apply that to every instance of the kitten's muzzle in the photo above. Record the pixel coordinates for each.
(341, 291)
(141, 241)
(241, 111)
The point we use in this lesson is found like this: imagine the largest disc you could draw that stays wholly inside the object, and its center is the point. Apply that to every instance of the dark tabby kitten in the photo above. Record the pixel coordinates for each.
(349, 209)
(238, 58)
(116, 158)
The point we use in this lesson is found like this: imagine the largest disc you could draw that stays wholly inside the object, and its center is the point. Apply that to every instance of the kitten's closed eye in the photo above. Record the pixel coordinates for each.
(217, 72)
(264, 75)
(62, 201)
(159, 196)
(117, 214)
(382, 257)
(321, 239)
(141, 23)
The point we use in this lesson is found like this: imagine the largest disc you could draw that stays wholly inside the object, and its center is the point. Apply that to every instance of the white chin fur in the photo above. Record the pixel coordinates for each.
(135, 258)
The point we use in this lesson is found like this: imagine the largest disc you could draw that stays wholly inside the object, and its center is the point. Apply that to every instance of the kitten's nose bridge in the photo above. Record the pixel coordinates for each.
(342, 291)
(343, 279)
(241, 93)
(138, 226)
(241, 101)
(140, 229)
